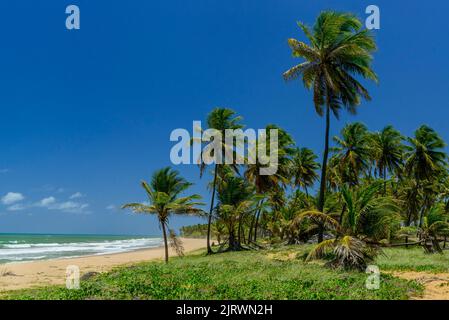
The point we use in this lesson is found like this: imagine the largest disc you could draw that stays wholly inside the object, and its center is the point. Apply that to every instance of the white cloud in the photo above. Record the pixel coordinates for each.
(76, 195)
(111, 207)
(12, 197)
(16, 207)
(67, 206)
(47, 202)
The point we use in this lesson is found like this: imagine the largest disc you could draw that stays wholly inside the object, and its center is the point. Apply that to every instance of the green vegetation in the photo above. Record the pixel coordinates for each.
(376, 190)
(163, 195)
(412, 259)
(266, 274)
(193, 231)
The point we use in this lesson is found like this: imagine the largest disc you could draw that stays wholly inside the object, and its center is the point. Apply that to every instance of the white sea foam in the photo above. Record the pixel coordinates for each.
(11, 252)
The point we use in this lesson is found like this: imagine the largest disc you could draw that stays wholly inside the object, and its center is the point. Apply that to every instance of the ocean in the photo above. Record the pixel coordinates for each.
(32, 247)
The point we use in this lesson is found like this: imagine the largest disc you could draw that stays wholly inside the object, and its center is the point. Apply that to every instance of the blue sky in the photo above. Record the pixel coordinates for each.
(87, 114)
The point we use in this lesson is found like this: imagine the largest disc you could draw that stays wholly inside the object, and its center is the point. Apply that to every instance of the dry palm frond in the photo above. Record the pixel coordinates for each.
(321, 249)
(176, 243)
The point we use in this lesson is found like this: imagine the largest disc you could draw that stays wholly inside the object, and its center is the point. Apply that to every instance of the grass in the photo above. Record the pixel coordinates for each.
(413, 259)
(278, 273)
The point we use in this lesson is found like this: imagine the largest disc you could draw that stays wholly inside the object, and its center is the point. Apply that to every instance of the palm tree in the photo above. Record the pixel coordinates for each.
(219, 119)
(425, 159)
(352, 151)
(164, 199)
(338, 50)
(434, 226)
(368, 218)
(235, 201)
(387, 152)
(304, 168)
(264, 183)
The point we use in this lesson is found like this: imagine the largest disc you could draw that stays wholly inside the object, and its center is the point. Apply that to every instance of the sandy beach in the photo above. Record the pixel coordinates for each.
(40, 273)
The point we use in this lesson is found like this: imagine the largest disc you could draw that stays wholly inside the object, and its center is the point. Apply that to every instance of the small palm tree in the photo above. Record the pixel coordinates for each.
(367, 219)
(304, 168)
(164, 199)
(235, 201)
(338, 50)
(434, 226)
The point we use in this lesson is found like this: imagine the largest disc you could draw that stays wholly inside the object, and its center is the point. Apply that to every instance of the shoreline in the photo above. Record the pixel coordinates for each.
(22, 275)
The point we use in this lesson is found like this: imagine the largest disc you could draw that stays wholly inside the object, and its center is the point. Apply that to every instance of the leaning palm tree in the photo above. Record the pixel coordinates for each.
(338, 50)
(219, 119)
(304, 168)
(164, 199)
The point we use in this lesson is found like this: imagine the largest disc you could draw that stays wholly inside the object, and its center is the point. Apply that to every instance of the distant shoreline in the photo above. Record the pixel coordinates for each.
(21, 275)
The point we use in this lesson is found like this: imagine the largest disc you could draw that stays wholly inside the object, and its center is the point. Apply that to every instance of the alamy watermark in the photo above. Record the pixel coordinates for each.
(230, 146)
(72, 280)
(373, 20)
(72, 22)
(373, 280)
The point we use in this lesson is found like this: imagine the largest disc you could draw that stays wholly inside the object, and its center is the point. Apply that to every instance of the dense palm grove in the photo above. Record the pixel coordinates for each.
(371, 189)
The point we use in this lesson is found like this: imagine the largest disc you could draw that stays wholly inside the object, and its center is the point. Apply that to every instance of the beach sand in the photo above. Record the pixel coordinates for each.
(15, 276)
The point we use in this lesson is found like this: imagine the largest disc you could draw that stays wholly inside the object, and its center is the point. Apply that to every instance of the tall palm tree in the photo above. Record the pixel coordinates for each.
(219, 119)
(352, 151)
(387, 152)
(304, 168)
(338, 50)
(164, 199)
(425, 159)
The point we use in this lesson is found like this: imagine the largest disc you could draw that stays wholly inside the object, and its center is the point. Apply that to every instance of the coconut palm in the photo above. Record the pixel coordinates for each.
(304, 168)
(434, 226)
(352, 151)
(235, 200)
(387, 151)
(164, 199)
(219, 119)
(425, 159)
(264, 183)
(338, 50)
(368, 219)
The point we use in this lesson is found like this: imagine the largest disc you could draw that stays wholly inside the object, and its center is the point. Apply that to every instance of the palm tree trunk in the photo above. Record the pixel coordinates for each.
(307, 191)
(209, 249)
(165, 241)
(385, 181)
(257, 223)
(239, 231)
(257, 219)
(323, 170)
(250, 231)
(340, 220)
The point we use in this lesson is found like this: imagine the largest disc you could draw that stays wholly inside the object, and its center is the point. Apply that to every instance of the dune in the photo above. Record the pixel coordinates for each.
(15, 276)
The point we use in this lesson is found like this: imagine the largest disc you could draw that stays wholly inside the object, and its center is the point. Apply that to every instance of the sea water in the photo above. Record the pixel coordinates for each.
(31, 247)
